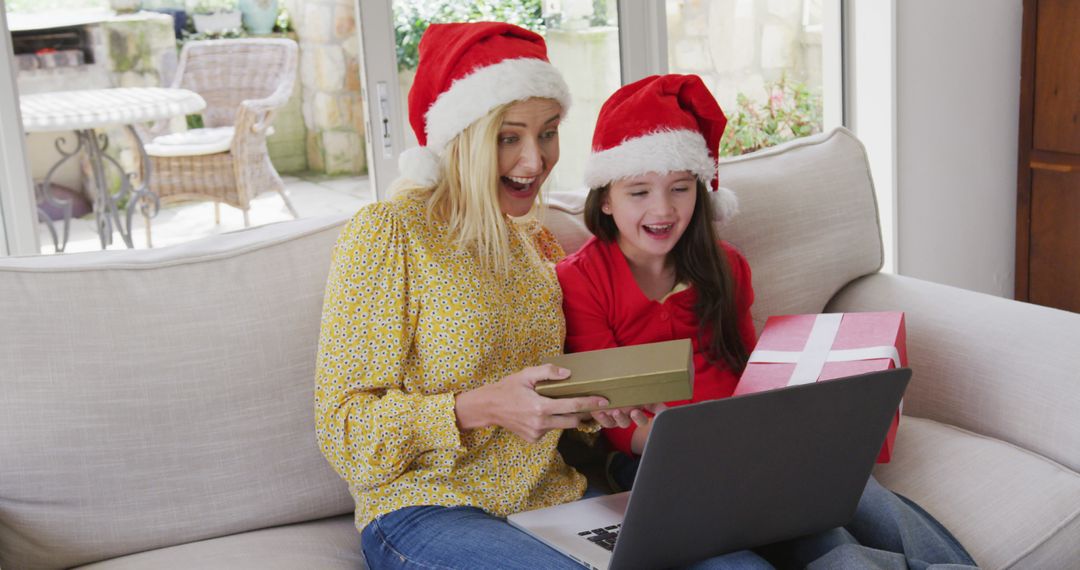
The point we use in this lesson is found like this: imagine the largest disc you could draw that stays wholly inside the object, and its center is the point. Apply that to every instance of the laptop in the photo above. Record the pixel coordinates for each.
(726, 475)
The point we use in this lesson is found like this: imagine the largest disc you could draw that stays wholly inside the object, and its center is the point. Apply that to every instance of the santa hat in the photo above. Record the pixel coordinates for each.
(465, 71)
(663, 123)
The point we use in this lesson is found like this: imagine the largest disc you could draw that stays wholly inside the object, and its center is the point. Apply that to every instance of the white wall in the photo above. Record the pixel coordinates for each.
(958, 99)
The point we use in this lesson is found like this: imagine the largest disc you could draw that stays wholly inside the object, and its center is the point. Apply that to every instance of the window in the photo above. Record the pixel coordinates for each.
(740, 47)
(763, 60)
(583, 42)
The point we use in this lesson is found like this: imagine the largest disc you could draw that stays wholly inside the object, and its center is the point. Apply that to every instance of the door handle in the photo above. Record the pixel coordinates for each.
(1037, 165)
(384, 123)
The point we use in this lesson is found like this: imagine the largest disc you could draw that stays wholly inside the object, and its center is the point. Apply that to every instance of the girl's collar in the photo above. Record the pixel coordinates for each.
(627, 274)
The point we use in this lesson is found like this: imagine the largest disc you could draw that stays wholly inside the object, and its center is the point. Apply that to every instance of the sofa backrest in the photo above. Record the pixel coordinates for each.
(155, 397)
(807, 221)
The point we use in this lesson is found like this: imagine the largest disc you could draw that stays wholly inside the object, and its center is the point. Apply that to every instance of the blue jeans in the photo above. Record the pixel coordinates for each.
(467, 537)
(888, 532)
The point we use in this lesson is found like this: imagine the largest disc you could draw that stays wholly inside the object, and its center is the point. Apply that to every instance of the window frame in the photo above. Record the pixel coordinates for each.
(643, 47)
(18, 210)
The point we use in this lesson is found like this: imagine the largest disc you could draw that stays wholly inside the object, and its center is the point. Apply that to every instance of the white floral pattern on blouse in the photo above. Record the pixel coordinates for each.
(408, 321)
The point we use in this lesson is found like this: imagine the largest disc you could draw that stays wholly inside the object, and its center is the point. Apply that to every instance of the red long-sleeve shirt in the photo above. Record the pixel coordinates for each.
(605, 308)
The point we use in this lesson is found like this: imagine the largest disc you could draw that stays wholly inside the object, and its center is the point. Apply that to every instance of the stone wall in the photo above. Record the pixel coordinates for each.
(141, 48)
(287, 145)
(330, 84)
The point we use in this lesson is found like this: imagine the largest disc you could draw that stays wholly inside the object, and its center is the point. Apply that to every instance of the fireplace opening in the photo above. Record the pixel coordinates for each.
(52, 48)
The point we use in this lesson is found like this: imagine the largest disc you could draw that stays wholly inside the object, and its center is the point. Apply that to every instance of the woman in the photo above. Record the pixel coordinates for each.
(656, 271)
(439, 306)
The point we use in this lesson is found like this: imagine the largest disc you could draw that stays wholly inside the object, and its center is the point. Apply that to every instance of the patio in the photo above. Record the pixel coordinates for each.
(311, 194)
(316, 148)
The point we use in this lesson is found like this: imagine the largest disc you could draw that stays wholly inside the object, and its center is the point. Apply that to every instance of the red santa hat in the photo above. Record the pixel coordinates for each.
(663, 123)
(465, 71)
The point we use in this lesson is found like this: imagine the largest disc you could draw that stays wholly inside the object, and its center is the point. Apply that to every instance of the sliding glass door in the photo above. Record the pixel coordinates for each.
(778, 57)
(18, 215)
(583, 42)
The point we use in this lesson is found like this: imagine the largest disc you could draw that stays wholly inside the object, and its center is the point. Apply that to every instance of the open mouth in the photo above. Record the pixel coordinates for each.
(659, 231)
(518, 185)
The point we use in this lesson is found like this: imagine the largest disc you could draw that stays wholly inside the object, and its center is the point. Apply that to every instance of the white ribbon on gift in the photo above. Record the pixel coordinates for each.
(810, 361)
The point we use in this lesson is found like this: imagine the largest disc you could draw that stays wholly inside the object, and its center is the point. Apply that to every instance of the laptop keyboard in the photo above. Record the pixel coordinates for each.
(603, 537)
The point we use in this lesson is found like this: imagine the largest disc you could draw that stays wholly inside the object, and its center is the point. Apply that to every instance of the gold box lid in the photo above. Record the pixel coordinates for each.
(622, 367)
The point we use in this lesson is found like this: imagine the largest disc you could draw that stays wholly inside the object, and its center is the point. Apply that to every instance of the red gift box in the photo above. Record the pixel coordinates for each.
(799, 349)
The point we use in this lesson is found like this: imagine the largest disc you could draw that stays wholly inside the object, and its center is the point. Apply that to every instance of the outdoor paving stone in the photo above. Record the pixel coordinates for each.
(180, 223)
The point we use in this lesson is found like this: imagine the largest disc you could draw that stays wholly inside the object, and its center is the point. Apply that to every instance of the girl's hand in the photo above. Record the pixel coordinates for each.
(513, 403)
(641, 434)
(622, 417)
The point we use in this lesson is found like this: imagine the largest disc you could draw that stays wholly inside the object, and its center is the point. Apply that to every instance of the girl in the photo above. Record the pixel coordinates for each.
(655, 271)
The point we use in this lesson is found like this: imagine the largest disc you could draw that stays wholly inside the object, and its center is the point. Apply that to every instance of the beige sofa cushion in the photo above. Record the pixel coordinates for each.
(807, 222)
(1008, 506)
(1003, 369)
(327, 544)
(153, 398)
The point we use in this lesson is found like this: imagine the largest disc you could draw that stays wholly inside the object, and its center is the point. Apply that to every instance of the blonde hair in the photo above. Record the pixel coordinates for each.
(466, 196)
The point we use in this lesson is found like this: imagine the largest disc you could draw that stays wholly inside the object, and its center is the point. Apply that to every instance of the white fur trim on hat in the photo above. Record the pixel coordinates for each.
(661, 152)
(472, 96)
(725, 204)
(420, 165)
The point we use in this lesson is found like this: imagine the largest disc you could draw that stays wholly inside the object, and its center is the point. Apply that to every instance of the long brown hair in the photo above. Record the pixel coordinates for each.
(700, 262)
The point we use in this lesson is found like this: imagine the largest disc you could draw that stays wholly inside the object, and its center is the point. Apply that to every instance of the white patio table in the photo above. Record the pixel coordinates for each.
(86, 110)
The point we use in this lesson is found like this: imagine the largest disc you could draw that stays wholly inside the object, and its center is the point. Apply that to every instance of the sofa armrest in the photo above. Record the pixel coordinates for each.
(998, 367)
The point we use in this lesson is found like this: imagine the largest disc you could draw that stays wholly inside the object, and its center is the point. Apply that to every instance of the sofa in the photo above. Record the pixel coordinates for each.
(156, 405)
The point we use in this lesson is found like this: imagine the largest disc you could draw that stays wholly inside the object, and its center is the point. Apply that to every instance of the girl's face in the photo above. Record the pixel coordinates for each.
(528, 150)
(651, 212)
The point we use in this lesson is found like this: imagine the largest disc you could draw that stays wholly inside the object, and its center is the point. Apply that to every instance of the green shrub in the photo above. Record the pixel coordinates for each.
(790, 111)
(412, 17)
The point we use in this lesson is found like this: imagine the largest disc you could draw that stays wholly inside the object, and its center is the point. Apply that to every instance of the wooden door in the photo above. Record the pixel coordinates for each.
(1048, 189)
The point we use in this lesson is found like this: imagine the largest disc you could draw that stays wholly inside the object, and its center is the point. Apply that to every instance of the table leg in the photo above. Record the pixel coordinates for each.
(45, 219)
(47, 196)
(106, 204)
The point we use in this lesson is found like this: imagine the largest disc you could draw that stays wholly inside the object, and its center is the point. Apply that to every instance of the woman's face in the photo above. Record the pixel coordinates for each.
(651, 212)
(528, 150)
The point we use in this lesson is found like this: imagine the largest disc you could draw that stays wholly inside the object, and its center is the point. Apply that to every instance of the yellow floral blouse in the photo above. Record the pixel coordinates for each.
(408, 321)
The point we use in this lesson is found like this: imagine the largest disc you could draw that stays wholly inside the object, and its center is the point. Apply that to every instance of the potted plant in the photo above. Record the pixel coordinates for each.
(215, 16)
(259, 15)
(125, 6)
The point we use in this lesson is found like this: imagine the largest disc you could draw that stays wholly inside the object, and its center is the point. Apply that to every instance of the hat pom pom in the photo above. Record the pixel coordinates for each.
(725, 204)
(420, 165)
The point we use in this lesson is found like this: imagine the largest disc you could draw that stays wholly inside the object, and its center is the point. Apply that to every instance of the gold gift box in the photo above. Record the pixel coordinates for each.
(627, 375)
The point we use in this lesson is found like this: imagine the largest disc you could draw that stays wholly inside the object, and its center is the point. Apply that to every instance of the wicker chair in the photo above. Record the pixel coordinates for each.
(244, 83)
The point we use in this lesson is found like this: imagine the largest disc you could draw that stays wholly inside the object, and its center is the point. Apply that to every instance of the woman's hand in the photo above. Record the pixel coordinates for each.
(513, 403)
